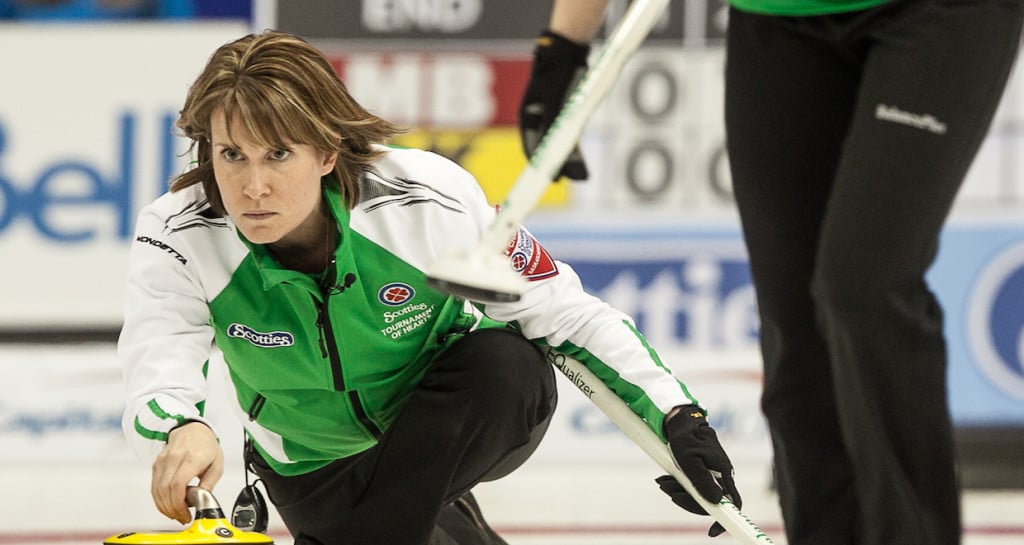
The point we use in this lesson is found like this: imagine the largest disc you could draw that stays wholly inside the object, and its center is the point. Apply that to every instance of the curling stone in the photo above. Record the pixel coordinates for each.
(208, 527)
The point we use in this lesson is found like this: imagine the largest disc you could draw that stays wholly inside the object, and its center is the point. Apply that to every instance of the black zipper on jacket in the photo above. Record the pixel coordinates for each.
(256, 406)
(357, 406)
(329, 349)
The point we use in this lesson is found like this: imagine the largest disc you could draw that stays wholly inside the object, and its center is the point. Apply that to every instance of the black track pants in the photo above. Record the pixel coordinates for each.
(477, 415)
(848, 137)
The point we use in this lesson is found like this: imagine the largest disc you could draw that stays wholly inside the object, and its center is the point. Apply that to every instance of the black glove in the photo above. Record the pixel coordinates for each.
(696, 449)
(558, 65)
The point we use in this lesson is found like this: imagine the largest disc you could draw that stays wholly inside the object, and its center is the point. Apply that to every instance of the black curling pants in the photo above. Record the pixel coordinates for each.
(480, 411)
(849, 136)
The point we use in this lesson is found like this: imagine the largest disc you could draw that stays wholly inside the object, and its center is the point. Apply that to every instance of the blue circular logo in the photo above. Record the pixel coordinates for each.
(395, 293)
(995, 321)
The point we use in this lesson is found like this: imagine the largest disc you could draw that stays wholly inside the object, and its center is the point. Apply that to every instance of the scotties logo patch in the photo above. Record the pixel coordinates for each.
(273, 339)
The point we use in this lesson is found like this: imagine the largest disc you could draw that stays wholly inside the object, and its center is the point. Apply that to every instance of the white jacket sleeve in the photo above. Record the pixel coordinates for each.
(557, 311)
(165, 342)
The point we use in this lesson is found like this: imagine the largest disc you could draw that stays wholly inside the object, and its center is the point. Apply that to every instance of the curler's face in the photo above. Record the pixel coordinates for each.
(271, 194)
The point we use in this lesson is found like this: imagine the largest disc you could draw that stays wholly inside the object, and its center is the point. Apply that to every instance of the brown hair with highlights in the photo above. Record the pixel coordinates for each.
(285, 91)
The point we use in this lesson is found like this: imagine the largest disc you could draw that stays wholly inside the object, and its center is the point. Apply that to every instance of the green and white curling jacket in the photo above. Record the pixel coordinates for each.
(320, 369)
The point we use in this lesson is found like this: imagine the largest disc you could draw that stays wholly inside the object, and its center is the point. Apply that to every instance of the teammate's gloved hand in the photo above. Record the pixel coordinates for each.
(696, 449)
(558, 64)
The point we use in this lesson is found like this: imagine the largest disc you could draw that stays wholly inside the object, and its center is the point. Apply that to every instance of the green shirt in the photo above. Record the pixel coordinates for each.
(320, 368)
(804, 7)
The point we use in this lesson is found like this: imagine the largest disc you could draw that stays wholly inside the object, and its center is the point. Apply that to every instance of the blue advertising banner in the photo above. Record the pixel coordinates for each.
(689, 289)
(86, 140)
(979, 277)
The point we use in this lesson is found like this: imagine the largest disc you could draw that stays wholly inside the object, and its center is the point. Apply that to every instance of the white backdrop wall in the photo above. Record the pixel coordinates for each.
(85, 141)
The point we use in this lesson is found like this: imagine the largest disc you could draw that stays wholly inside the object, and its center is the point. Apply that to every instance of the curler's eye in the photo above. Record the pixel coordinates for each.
(230, 154)
(280, 154)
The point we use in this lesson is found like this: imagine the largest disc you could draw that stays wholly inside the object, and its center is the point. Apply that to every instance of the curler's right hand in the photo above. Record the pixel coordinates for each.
(695, 447)
(192, 451)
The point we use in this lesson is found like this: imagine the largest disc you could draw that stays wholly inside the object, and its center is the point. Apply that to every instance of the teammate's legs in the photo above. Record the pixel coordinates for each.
(788, 103)
(479, 413)
(932, 80)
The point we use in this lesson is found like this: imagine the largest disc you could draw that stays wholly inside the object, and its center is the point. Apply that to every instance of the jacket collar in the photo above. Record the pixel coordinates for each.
(273, 273)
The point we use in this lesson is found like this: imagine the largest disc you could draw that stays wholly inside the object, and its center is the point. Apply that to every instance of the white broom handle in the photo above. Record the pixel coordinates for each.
(725, 512)
(565, 131)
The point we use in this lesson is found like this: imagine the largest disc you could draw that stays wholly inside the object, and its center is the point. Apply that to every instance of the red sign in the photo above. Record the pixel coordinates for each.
(446, 90)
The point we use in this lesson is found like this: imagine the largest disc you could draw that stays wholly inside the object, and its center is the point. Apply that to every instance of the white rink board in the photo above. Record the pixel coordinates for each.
(77, 487)
(57, 396)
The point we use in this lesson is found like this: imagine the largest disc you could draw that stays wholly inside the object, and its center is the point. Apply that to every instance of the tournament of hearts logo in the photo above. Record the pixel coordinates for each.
(395, 293)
